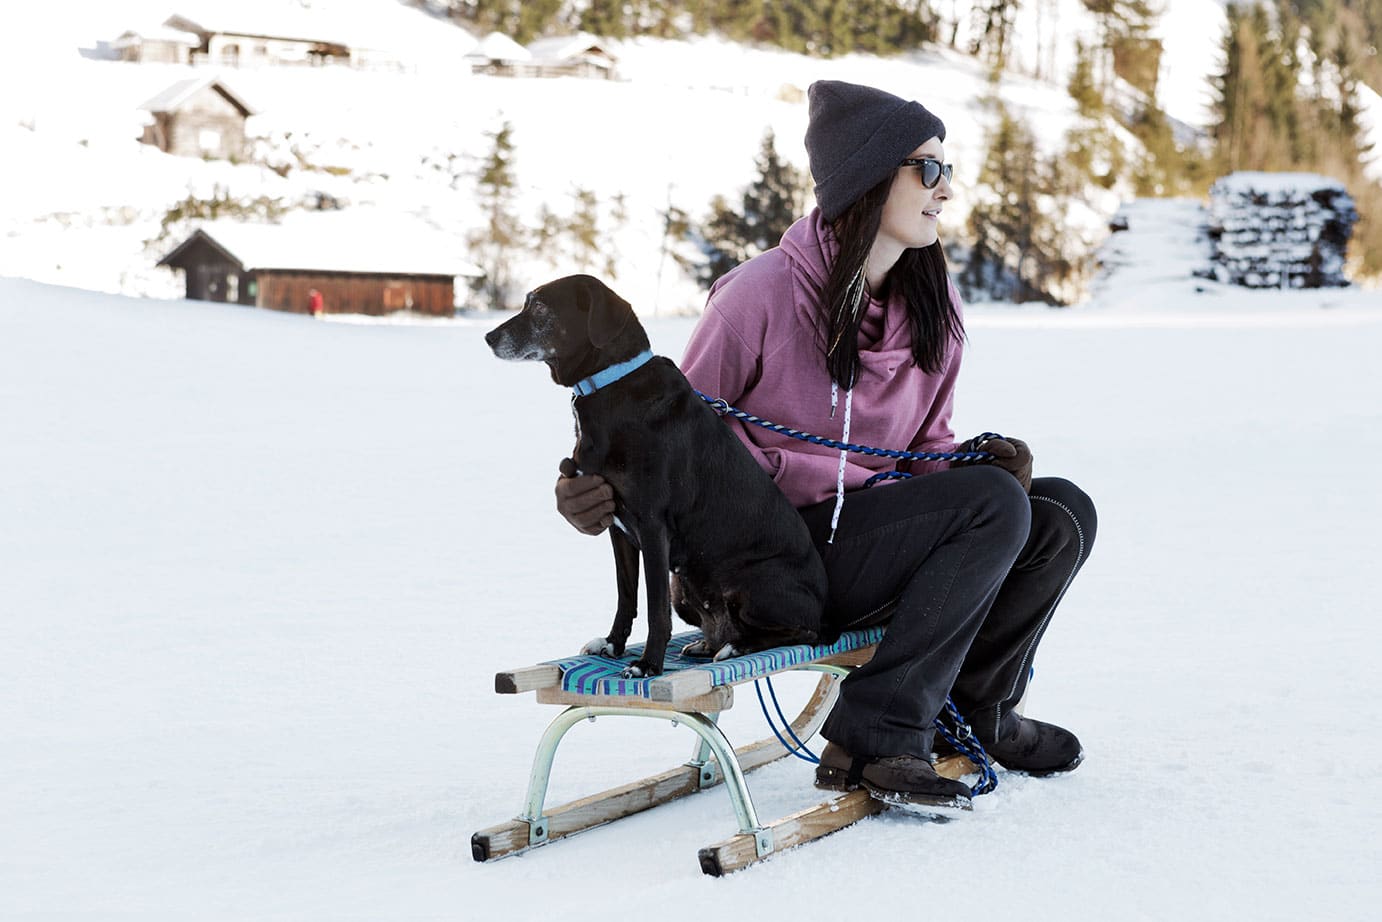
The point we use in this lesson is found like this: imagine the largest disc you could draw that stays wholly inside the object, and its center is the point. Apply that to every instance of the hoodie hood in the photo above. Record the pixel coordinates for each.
(812, 248)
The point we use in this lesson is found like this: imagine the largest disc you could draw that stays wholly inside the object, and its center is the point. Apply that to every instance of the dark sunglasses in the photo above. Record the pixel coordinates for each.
(931, 170)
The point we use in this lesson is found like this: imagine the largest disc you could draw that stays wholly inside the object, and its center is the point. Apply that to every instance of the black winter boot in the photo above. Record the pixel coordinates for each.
(900, 780)
(1033, 747)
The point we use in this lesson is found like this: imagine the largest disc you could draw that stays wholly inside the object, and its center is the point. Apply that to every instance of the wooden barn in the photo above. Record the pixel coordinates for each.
(199, 117)
(351, 271)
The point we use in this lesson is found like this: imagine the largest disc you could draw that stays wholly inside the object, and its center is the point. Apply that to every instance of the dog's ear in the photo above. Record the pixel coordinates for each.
(608, 313)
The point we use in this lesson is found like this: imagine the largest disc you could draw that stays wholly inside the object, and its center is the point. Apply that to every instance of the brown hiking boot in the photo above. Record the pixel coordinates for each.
(900, 780)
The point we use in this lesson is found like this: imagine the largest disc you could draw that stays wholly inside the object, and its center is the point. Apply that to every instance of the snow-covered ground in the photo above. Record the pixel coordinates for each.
(259, 571)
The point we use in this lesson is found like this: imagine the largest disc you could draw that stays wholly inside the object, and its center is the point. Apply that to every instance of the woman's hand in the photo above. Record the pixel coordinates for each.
(584, 500)
(1012, 455)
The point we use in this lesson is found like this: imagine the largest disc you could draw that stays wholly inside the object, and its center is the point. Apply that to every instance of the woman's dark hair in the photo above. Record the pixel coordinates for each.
(919, 273)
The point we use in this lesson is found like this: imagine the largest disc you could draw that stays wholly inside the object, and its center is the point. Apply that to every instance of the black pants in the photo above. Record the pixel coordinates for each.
(966, 570)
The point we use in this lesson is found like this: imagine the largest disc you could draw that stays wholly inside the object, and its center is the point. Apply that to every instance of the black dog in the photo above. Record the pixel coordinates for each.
(687, 494)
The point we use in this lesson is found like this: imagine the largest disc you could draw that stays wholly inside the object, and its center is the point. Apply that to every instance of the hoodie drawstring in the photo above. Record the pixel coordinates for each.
(844, 454)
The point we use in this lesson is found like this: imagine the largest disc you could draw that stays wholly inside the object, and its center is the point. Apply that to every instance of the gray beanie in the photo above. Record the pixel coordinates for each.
(856, 135)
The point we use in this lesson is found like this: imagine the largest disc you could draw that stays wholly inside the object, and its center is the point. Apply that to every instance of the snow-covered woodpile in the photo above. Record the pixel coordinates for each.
(1279, 230)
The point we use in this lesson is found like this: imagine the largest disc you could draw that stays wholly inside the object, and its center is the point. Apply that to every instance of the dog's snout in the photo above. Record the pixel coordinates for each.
(492, 338)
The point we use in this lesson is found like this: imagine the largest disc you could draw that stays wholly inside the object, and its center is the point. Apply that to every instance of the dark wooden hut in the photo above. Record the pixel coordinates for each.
(279, 267)
(200, 117)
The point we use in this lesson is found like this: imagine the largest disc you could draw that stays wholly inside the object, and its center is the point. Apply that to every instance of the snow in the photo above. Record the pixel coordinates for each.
(499, 47)
(259, 571)
(1290, 186)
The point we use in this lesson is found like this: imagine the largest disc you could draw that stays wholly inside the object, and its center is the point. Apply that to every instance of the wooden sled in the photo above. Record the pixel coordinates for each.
(691, 692)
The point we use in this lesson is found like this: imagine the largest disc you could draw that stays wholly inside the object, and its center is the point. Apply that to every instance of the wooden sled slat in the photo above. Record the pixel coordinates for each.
(588, 812)
(529, 678)
(955, 767)
(712, 701)
(813, 823)
(806, 825)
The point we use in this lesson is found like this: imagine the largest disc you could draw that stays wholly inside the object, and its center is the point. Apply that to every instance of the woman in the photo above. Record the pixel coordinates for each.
(851, 329)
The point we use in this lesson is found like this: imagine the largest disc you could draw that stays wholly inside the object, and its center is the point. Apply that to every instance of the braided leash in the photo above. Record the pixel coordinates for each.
(967, 744)
(722, 408)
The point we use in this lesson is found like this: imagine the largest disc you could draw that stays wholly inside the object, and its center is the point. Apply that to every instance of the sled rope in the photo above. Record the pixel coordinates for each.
(800, 747)
(963, 739)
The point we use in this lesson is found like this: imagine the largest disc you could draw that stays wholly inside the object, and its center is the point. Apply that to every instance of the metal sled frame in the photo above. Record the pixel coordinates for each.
(714, 761)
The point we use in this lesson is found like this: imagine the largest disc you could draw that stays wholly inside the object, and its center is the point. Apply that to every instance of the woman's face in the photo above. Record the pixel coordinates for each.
(911, 215)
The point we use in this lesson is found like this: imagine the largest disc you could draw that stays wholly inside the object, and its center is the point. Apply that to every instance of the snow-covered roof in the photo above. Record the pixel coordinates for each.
(173, 97)
(332, 242)
(566, 47)
(499, 47)
(156, 34)
(268, 21)
(1249, 181)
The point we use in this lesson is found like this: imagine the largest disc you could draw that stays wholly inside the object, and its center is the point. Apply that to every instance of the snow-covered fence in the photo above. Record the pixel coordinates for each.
(1279, 230)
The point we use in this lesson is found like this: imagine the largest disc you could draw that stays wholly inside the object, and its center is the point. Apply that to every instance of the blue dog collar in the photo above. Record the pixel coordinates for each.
(587, 386)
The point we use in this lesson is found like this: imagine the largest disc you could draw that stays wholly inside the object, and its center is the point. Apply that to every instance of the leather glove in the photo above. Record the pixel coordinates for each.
(584, 500)
(1012, 455)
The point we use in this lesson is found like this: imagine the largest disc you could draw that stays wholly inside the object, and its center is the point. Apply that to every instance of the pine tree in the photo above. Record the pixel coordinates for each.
(1084, 87)
(994, 24)
(767, 208)
(588, 253)
(533, 18)
(604, 18)
(502, 233)
(1020, 250)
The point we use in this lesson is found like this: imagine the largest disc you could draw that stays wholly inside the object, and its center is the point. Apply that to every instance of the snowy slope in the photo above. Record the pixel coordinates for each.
(81, 201)
(259, 571)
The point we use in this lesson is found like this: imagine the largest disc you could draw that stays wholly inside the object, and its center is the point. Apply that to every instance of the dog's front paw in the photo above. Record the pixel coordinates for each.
(601, 646)
(728, 651)
(697, 648)
(641, 669)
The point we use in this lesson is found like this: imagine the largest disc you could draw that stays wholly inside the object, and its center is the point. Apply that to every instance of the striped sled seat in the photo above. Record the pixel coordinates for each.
(691, 692)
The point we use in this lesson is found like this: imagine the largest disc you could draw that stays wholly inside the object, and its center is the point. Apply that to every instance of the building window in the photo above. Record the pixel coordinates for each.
(232, 287)
(252, 288)
(209, 139)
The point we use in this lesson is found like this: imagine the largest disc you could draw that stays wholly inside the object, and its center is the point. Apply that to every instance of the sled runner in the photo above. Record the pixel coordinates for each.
(692, 692)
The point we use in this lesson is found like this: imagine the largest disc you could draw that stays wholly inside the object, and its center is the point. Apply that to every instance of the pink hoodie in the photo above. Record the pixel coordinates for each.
(757, 347)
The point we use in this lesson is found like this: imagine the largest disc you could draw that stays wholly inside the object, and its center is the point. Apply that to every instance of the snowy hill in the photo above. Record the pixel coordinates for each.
(682, 126)
(260, 571)
(84, 204)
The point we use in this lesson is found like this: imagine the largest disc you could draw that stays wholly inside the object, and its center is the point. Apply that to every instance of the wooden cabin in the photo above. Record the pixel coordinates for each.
(280, 266)
(500, 56)
(233, 38)
(200, 117)
(579, 55)
(159, 45)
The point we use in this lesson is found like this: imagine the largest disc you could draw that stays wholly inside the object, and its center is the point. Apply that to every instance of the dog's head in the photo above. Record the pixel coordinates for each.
(574, 324)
